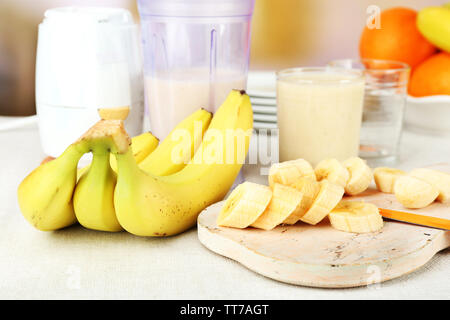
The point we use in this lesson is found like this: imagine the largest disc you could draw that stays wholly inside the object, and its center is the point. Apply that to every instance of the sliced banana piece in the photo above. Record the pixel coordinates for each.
(309, 188)
(356, 216)
(438, 179)
(385, 178)
(414, 193)
(285, 201)
(114, 113)
(333, 171)
(360, 176)
(289, 172)
(244, 205)
(328, 197)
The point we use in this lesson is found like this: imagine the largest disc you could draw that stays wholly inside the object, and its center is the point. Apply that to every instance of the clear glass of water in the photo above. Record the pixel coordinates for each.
(384, 105)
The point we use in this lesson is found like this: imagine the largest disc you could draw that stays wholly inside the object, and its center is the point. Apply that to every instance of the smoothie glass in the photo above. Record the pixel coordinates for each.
(195, 53)
(384, 105)
(319, 113)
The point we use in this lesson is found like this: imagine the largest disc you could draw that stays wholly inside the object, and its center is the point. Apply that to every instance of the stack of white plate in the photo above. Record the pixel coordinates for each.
(261, 87)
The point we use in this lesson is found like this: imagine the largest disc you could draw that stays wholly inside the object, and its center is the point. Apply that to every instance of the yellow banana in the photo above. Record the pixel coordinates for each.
(414, 193)
(289, 172)
(178, 147)
(285, 201)
(333, 171)
(45, 195)
(142, 145)
(94, 194)
(245, 205)
(356, 216)
(149, 205)
(385, 178)
(93, 199)
(360, 176)
(114, 113)
(438, 179)
(328, 197)
(309, 189)
(434, 24)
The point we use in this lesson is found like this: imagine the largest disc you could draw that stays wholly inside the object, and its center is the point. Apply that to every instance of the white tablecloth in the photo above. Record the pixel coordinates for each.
(79, 263)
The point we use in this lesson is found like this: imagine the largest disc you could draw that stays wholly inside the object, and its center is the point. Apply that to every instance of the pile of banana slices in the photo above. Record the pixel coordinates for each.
(297, 192)
(416, 189)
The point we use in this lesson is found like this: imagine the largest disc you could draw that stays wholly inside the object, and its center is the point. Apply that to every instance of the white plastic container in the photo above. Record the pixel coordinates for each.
(87, 58)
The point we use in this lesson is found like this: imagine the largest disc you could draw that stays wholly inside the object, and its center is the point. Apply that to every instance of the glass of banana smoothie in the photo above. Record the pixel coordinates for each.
(319, 113)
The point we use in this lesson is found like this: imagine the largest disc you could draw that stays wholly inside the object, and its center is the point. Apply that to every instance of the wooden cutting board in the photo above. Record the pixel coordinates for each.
(320, 256)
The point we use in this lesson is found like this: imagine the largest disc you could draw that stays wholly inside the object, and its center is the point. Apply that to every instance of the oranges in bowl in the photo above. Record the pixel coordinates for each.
(431, 77)
(400, 39)
(397, 39)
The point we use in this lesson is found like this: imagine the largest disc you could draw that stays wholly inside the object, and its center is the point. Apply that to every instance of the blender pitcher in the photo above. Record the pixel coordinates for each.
(195, 53)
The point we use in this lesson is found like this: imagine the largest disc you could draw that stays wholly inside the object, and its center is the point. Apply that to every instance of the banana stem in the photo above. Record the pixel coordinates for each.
(100, 163)
(126, 164)
(109, 134)
(74, 152)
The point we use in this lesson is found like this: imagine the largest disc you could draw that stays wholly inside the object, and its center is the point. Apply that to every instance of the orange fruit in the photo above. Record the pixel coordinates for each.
(431, 77)
(397, 39)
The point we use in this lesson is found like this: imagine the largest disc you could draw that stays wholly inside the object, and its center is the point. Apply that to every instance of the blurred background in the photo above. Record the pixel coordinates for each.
(285, 33)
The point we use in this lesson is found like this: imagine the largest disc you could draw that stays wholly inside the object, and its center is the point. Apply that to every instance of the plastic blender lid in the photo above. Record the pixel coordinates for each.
(196, 8)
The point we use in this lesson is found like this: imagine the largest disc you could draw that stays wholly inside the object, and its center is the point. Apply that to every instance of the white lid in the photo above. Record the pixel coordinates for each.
(196, 8)
(80, 15)
(88, 57)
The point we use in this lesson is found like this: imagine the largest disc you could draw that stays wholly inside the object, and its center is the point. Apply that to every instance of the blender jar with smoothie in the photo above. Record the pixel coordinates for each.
(195, 53)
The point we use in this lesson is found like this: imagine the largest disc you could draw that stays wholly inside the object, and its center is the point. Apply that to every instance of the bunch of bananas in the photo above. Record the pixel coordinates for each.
(137, 185)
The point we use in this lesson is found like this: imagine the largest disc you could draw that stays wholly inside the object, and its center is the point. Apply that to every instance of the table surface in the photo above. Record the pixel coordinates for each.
(77, 263)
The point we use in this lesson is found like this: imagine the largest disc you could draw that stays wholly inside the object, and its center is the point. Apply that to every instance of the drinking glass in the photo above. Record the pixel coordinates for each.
(384, 105)
(319, 113)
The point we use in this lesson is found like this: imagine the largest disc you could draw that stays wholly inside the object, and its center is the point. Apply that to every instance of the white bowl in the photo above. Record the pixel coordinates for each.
(430, 114)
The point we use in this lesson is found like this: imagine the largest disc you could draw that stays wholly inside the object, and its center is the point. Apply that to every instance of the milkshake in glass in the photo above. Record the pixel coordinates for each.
(319, 113)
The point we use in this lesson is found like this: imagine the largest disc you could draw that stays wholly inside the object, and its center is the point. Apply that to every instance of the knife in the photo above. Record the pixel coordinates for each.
(426, 221)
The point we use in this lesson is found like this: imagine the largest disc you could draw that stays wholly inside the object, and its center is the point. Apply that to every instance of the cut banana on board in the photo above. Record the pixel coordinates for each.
(360, 176)
(245, 204)
(333, 171)
(309, 188)
(356, 216)
(328, 197)
(385, 178)
(114, 113)
(289, 172)
(438, 179)
(414, 193)
(285, 201)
